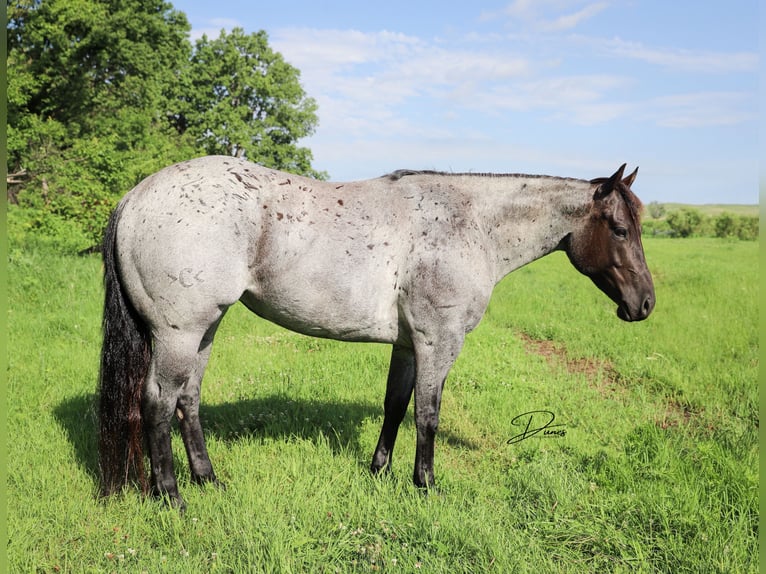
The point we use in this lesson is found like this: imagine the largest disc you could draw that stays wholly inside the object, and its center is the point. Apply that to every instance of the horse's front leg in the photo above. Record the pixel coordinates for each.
(401, 380)
(433, 362)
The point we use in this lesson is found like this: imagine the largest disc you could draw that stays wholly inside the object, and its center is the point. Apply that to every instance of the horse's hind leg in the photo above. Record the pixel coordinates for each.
(188, 415)
(401, 380)
(178, 362)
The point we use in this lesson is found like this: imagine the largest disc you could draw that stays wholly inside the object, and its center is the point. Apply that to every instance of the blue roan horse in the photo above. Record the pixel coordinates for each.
(410, 259)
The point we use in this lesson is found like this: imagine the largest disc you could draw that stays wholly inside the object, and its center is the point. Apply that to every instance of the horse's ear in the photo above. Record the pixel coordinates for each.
(628, 181)
(607, 184)
(617, 175)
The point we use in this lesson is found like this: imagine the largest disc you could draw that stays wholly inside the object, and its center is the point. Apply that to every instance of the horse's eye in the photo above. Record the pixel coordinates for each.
(621, 232)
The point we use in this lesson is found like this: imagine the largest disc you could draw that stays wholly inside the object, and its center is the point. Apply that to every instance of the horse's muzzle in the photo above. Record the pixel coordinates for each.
(640, 312)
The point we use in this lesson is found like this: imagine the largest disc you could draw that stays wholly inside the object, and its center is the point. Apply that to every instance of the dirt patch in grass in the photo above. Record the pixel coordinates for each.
(677, 413)
(600, 374)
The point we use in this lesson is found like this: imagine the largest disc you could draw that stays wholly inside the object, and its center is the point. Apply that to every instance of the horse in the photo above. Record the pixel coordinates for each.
(409, 258)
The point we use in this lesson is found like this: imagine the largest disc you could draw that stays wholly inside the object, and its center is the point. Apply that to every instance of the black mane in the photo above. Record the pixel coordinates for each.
(634, 204)
(400, 173)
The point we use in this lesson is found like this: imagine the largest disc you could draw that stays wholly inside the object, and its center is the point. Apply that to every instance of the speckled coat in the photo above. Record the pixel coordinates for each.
(410, 258)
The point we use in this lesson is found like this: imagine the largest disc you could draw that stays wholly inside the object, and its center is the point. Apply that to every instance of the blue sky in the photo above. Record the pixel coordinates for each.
(557, 87)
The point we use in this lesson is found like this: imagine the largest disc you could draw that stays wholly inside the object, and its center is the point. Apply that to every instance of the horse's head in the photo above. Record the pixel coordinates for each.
(607, 247)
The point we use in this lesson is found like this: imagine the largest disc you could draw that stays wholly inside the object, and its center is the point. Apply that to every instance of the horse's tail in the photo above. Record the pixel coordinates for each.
(125, 356)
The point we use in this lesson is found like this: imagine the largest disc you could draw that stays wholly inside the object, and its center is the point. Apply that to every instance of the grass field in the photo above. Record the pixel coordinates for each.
(714, 209)
(657, 470)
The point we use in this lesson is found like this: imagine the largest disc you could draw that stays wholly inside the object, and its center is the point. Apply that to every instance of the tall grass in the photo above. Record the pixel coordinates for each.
(657, 471)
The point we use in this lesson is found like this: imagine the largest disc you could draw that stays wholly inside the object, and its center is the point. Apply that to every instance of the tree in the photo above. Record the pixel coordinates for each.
(656, 210)
(88, 85)
(244, 100)
(102, 93)
(90, 64)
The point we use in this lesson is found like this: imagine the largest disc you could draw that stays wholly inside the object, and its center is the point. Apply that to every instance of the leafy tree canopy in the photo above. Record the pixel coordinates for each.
(102, 93)
(246, 101)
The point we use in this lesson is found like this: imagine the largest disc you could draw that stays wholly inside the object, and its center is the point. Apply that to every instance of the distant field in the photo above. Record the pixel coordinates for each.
(713, 209)
(656, 470)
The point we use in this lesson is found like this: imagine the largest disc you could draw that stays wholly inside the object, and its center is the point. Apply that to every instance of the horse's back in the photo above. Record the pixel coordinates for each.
(313, 256)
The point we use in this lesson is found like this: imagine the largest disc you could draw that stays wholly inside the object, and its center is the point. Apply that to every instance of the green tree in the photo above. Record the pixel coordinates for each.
(101, 93)
(656, 210)
(244, 100)
(94, 66)
(89, 86)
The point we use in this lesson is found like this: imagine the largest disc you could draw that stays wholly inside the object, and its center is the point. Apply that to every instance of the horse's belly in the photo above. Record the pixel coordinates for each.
(322, 316)
(343, 304)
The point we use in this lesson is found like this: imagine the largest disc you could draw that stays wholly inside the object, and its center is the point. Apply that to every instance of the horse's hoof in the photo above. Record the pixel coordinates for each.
(172, 500)
(384, 470)
(202, 480)
(427, 488)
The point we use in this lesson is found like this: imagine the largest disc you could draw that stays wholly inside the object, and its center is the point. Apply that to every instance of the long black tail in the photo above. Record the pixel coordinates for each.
(125, 356)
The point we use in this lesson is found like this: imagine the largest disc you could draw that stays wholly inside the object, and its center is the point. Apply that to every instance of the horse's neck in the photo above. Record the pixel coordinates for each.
(527, 217)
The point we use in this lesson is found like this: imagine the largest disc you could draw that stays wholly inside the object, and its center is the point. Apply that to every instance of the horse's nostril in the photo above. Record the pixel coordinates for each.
(647, 306)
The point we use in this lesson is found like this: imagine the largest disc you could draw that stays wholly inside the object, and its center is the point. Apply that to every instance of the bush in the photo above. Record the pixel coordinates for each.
(725, 225)
(655, 228)
(685, 222)
(33, 228)
(688, 221)
(741, 227)
(748, 228)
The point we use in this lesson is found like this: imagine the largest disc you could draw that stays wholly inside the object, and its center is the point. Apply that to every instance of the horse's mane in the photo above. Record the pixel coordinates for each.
(634, 204)
(400, 173)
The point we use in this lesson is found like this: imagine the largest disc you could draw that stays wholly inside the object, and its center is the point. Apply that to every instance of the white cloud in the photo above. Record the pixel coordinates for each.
(526, 88)
(705, 109)
(328, 48)
(546, 15)
(359, 78)
(364, 81)
(569, 21)
(329, 53)
(580, 99)
(684, 60)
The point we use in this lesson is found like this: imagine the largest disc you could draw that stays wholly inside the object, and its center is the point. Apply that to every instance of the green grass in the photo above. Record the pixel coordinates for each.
(657, 471)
